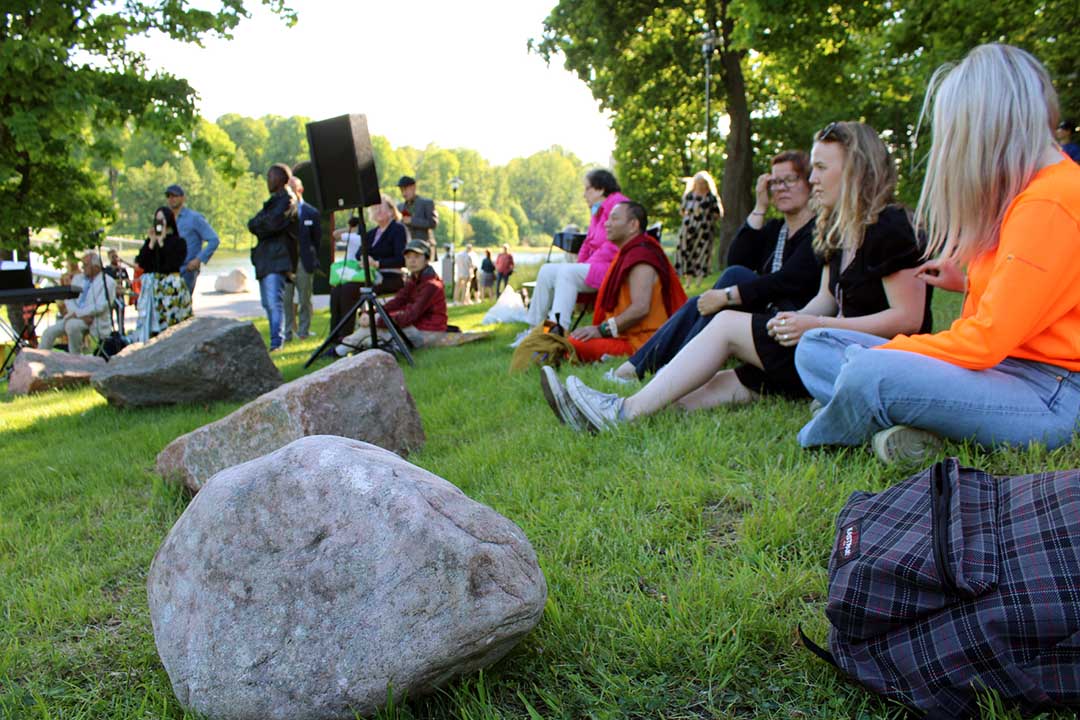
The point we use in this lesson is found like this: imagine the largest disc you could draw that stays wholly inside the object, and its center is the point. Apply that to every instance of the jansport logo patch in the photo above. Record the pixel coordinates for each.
(847, 544)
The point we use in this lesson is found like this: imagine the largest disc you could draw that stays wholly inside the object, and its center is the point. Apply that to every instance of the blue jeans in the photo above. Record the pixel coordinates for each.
(681, 327)
(1013, 403)
(190, 277)
(272, 294)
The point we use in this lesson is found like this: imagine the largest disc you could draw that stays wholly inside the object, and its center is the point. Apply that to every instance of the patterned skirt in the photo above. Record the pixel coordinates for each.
(164, 301)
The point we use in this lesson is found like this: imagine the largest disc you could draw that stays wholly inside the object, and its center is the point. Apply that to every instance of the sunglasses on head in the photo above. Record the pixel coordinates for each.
(830, 132)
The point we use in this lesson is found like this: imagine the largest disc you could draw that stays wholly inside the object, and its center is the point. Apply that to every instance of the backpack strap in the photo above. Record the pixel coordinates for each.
(817, 649)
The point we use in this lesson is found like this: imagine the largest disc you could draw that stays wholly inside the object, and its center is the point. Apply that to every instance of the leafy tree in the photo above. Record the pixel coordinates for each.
(492, 228)
(68, 71)
(287, 141)
(250, 135)
(782, 71)
(548, 186)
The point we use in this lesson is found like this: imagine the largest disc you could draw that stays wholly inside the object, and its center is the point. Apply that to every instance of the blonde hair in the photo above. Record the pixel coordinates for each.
(866, 187)
(389, 203)
(993, 116)
(705, 177)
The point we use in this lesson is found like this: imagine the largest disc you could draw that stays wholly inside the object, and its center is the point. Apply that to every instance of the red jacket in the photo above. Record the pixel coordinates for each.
(420, 303)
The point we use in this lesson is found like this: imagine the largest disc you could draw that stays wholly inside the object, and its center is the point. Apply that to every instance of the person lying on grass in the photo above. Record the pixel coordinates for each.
(1001, 198)
(868, 283)
(639, 293)
(770, 264)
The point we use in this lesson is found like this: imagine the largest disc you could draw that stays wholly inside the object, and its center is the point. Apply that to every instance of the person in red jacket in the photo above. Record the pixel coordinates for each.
(418, 308)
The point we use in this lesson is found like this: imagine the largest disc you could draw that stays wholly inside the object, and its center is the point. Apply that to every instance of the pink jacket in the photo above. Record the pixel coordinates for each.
(597, 250)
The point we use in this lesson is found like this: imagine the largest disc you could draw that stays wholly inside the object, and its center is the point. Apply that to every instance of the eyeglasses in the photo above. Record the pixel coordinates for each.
(831, 132)
(788, 182)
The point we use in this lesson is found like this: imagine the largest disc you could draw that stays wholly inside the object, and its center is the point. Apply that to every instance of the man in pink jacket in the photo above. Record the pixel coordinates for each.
(558, 284)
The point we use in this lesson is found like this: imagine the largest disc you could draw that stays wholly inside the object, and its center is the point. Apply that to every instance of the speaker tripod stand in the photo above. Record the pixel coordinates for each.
(369, 303)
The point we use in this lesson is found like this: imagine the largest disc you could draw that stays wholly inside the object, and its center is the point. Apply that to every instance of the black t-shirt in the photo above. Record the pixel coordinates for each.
(888, 246)
(162, 260)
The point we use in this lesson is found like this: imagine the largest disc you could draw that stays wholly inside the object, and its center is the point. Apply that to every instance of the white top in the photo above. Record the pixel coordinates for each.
(352, 247)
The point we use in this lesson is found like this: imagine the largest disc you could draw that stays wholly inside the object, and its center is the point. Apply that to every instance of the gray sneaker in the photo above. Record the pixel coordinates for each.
(602, 411)
(901, 443)
(558, 401)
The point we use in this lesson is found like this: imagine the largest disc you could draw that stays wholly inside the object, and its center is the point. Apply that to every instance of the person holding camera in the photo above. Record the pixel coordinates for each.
(164, 299)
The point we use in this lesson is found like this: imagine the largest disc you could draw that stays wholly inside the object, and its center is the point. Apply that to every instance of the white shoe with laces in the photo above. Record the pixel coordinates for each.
(602, 411)
(558, 400)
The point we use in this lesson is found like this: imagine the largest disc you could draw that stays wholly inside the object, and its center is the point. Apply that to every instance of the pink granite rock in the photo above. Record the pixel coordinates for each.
(362, 397)
(40, 370)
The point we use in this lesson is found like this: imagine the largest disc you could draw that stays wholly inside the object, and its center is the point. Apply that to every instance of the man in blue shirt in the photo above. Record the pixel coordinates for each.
(196, 232)
(1064, 136)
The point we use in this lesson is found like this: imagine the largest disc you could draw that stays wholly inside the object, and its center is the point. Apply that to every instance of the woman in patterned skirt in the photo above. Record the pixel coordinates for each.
(164, 300)
(700, 212)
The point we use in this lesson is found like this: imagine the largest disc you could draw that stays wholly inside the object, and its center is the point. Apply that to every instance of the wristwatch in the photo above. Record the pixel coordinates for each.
(728, 294)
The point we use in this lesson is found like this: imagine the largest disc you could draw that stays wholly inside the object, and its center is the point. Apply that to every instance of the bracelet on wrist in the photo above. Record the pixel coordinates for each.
(613, 327)
(755, 212)
(603, 328)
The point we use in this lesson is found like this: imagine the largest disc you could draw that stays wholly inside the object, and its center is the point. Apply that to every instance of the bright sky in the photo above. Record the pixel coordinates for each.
(457, 74)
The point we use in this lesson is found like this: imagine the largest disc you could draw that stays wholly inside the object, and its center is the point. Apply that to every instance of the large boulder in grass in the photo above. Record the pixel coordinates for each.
(234, 282)
(361, 397)
(40, 370)
(201, 360)
(308, 583)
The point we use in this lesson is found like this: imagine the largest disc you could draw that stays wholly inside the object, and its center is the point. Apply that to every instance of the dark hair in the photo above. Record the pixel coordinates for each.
(488, 254)
(637, 211)
(603, 181)
(354, 221)
(798, 159)
(170, 219)
(283, 170)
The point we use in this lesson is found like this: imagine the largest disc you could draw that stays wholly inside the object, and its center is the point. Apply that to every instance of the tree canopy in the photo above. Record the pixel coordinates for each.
(781, 71)
(70, 81)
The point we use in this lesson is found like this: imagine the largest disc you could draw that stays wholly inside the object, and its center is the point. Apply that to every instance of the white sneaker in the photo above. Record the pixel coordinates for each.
(901, 443)
(602, 411)
(521, 336)
(558, 401)
(610, 376)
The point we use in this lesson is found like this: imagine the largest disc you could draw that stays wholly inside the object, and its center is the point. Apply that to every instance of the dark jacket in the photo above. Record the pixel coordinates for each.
(390, 250)
(276, 228)
(423, 218)
(420, 303)
(309, 236)
(162, 260)
(790, 287)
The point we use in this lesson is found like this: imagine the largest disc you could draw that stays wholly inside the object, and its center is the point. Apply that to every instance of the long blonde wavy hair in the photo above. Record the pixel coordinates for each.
(993, 118)
(866, 188)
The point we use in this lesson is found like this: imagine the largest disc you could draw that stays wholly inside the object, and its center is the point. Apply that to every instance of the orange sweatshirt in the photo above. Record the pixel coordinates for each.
(1023, 296)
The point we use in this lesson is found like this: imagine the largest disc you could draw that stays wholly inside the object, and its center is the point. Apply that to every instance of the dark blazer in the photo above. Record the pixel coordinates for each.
(310, 237)
(390, 250)
(790, 287)
(424, 218)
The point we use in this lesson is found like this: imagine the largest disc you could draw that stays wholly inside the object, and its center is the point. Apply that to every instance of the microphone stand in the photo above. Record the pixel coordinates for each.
(369, 302)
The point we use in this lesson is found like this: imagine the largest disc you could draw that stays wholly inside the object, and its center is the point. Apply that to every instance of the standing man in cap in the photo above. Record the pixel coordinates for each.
(310, 233)
(418, 213)
(274, 255)
(201, 239)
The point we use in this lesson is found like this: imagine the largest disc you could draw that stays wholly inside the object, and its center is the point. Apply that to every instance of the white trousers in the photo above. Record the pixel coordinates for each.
(557, 288)
(75, 329)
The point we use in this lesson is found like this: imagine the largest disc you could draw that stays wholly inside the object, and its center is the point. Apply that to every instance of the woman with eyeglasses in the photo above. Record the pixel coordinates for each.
(771, 266)
(868, 283)
(1001, 199)
(700, 212)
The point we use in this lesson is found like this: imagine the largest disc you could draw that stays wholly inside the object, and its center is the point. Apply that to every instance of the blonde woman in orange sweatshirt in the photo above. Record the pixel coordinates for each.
(1001, 199)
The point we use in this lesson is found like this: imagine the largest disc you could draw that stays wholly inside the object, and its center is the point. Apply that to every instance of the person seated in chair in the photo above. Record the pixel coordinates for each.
(88, 313)
(639, 293)
(418, 309)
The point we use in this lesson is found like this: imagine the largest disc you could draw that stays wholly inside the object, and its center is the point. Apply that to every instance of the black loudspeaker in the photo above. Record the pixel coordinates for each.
(306, 173)
(343, 163)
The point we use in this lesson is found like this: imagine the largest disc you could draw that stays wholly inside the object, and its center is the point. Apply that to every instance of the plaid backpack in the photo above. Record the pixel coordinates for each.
(954, 582)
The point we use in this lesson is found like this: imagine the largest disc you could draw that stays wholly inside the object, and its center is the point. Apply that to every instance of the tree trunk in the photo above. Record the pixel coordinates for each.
(736, 184)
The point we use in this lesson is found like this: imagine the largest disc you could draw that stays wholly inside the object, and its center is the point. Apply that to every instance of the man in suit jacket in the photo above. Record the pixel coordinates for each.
(310, 234)
(418, 214)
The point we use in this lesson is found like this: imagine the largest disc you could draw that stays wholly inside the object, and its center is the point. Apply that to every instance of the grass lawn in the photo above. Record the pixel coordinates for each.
(680, 553)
